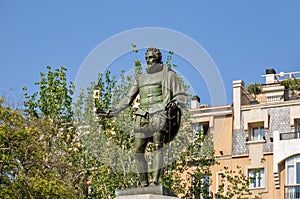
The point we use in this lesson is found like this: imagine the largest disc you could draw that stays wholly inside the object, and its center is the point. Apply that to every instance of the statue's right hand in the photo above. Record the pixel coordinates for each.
(100, 112)
(112, 113)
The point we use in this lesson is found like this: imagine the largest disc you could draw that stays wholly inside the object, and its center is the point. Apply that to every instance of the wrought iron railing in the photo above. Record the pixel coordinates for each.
(292, 192)
(290, 135)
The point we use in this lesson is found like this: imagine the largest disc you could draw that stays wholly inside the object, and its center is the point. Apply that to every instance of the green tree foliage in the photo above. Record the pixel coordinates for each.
(54, 99)
(58, 166)
(290, 83)
(254, 88)
(25, 167)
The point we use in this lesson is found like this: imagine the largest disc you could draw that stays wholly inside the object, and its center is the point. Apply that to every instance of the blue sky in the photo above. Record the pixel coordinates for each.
(243, 38)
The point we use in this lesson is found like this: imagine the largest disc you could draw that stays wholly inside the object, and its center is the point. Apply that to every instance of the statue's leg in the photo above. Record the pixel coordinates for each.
(140, 146)
(158, 156)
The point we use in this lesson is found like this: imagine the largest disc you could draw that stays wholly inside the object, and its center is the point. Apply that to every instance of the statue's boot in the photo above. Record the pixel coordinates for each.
(142, 169)
(157, 163)
(144, 179)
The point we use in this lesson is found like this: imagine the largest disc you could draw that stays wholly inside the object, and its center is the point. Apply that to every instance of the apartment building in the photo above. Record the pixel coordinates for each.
(260, 133)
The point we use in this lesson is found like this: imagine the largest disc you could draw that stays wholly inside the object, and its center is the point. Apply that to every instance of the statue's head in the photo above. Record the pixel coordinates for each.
(153, 56)
(153, 59)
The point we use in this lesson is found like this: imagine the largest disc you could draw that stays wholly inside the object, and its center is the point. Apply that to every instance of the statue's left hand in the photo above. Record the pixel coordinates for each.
(171, 106)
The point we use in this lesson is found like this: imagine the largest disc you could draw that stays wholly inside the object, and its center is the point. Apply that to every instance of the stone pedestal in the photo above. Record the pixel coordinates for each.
(146, 196)
(151, 192)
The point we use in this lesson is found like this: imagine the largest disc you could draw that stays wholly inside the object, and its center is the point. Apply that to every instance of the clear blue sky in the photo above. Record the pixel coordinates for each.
(242, 37)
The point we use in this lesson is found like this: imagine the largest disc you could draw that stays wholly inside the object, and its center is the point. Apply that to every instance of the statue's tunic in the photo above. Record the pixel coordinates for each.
(156, 91)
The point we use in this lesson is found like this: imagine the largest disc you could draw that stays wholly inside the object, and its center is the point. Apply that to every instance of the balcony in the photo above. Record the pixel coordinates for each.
(290, 135)
(268, 95)
(285, 145)
(292, 192)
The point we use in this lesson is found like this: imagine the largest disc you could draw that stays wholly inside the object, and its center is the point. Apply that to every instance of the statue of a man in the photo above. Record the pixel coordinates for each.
(161, 98)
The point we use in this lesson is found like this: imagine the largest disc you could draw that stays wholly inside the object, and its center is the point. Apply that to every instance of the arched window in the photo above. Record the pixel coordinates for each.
(293, 177)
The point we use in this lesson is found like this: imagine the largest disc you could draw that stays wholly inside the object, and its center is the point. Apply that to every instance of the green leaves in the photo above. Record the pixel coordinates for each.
(254, 88)
(26, 169)
(290, 83)
(54, 99)
(137, 63)
(49, 162)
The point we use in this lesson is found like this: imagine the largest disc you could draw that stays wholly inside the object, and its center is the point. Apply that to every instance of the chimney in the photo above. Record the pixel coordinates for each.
(195, 103)
(270, 76)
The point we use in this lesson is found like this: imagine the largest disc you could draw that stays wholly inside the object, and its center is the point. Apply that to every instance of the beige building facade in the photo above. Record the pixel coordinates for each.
(260, 133)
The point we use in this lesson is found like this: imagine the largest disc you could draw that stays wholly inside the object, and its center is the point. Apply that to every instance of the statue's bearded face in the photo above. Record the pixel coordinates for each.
(151, 58)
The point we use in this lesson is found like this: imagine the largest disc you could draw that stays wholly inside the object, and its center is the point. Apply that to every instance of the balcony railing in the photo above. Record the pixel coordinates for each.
(276, 96)
(292, 192)
(290, 135)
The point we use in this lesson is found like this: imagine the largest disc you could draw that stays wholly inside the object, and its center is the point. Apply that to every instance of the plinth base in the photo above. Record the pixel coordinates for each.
(146, 196)
(150, 192)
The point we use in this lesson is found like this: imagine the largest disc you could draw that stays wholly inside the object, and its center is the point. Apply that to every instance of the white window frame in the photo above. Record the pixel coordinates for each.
(259, 178)
(261, 133)
(292, 163)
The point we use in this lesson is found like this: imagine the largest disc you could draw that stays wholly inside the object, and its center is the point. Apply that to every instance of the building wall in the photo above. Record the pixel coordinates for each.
(279, 193)
(278, 119)
(245, 163)
(222, 131)
(234, 144)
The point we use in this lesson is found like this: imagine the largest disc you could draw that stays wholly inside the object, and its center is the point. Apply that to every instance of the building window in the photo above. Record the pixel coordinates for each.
(220, 179)
(202, 127)
(207, 183)
(298, 126)
(293, 177)
(257, 178)
(293, 170)
(205, 192)
(258, 133)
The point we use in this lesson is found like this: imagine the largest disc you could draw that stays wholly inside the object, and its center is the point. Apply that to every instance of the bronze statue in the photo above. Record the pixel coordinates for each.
(158, 117)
